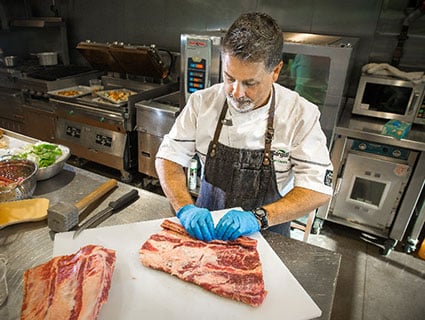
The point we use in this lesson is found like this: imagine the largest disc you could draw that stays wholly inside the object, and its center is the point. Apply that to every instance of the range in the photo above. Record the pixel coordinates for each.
(24, 102)
(100, 126)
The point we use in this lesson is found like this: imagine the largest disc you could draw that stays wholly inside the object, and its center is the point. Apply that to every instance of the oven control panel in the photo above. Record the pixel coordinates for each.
(103, 140)
(197, 64)
(196, 74)
(380, 149)
(200, 56)
(73, 131)
(97, 140)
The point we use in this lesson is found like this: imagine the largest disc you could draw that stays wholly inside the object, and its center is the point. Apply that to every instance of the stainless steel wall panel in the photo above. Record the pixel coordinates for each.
(162, 21)
(296, 16)
(357, 17)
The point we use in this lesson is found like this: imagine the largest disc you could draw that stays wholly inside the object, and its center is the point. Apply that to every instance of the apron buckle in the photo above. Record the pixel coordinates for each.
(269, 135)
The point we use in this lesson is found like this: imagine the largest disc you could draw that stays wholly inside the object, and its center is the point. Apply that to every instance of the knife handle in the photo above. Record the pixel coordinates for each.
(124, 200)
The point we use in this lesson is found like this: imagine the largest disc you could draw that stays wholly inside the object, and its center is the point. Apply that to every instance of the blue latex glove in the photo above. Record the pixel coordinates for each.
(198, 222)
(236, 223)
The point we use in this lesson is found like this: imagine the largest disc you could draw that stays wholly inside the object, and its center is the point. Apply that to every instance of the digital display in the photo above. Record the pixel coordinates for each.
(103, 140)
(73, 132)
(196, 74)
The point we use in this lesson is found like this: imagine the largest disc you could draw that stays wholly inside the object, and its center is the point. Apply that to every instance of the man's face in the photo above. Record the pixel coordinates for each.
(247, 84)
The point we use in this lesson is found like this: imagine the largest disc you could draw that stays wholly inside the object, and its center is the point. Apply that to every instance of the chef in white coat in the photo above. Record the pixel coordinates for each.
(260, 144)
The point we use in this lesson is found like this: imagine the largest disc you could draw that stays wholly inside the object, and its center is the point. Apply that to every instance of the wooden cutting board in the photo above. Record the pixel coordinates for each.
(138, 292)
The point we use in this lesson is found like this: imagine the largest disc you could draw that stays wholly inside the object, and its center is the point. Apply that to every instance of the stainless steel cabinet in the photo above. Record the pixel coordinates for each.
(11, 113)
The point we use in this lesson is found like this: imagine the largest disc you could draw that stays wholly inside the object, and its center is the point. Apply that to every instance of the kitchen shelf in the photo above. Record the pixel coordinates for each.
(42, 22)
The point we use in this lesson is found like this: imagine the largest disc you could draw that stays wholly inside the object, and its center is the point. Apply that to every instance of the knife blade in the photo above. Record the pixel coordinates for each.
(113, 207)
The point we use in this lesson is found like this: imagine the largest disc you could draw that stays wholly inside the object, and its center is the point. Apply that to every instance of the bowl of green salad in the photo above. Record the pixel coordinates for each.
(49, 157)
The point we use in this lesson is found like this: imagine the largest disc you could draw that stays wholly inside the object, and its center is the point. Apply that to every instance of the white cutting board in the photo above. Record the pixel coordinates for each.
(138, 292)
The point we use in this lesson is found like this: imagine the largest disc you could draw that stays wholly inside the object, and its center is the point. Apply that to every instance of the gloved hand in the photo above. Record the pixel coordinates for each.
(236, 223)
(198, 222)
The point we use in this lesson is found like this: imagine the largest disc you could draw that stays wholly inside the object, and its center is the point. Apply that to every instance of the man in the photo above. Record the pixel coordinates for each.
(255, 140)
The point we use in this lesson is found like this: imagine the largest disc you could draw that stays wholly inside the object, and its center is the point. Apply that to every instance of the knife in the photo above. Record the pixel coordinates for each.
(113, 207)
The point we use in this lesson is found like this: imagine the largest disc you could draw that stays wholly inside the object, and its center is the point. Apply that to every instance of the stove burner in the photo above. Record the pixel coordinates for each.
(52, 73)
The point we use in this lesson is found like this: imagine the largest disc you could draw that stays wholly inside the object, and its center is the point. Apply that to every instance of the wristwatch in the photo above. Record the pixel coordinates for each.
(262, 216)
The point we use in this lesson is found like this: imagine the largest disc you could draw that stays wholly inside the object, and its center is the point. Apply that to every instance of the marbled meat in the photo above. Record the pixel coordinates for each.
(69, 287)
(231, 269)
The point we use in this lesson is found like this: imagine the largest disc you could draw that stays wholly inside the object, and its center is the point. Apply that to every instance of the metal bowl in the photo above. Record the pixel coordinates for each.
(11, 61)
(14, 170)
(54, 169)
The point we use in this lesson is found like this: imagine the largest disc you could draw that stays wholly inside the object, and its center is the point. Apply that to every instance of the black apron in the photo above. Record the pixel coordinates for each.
(240, 177)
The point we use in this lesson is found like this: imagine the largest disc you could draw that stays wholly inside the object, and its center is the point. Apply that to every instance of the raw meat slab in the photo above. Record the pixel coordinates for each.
(138, 292)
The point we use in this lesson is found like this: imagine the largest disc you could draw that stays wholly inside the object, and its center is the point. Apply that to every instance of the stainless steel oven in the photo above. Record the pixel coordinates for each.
(370, 183)
(155, 117)
(316, 66)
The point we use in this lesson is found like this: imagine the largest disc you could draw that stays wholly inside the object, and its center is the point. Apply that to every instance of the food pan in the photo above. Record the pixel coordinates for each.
(116, 96)
(72, 92)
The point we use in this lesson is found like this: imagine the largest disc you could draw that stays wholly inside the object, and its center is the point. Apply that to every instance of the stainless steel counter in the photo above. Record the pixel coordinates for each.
(30, 244)
(367, 128)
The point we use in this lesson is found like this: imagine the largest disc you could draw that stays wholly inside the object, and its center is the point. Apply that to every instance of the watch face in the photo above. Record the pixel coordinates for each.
(260, 212)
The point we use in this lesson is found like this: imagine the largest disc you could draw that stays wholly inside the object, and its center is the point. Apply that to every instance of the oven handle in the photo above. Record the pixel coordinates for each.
(337, 186)
(93, 111)
(413, 103)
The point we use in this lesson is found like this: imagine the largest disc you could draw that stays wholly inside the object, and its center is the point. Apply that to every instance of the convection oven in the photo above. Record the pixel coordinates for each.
(316, 66)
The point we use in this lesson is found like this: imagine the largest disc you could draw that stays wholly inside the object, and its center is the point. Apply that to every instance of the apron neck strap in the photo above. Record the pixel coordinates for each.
(218, 129)
(269, 132)
(268, 136)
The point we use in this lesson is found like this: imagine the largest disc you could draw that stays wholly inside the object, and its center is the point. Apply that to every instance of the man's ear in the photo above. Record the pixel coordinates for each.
(276, 71)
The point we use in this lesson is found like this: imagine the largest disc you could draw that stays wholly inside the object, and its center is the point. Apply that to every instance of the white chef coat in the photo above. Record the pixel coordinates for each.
(300, 155)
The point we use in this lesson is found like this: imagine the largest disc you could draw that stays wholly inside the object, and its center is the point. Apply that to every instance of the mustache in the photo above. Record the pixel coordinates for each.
(242, 100)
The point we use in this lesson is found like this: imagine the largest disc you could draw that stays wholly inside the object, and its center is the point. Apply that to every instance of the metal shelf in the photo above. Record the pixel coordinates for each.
(43, 22)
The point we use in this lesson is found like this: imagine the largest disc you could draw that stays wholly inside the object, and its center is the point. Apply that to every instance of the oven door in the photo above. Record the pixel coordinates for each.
(370, 191)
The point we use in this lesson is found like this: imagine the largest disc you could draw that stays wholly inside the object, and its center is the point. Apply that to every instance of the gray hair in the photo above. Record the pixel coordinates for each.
(255, 37)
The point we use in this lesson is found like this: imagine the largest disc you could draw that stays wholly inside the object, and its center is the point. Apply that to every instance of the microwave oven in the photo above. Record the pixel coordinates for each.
(390, 98)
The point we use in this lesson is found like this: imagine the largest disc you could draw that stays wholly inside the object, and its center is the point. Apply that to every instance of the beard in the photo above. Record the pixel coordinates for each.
(240, 105)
